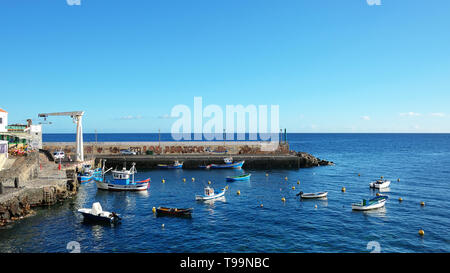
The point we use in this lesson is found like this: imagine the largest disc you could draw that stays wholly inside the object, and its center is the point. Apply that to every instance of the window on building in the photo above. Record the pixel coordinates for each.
(1, 120)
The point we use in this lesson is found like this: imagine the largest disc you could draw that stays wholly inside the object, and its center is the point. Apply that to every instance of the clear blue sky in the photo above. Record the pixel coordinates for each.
(331, 66)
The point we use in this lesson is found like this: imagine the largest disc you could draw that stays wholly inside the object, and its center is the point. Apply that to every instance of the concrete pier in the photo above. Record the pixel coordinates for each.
(265, 162)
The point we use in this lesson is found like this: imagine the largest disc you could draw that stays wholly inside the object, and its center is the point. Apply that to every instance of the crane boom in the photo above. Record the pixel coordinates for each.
(77, 118)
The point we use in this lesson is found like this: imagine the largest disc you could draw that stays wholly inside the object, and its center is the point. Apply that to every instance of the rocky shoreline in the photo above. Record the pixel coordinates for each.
(36, 188)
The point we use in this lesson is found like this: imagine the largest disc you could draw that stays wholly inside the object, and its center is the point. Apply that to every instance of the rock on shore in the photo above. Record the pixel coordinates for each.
(308, 160)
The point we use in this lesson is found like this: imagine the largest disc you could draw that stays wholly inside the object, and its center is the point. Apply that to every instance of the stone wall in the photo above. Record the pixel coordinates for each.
(185, 147)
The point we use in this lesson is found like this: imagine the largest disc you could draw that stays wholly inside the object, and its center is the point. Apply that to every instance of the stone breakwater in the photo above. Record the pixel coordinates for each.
(39, 184)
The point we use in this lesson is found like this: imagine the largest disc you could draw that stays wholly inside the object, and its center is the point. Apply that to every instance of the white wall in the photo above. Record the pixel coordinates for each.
(4, 117)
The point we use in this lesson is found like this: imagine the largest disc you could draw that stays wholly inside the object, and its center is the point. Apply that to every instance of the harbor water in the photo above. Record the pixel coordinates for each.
(240, 224)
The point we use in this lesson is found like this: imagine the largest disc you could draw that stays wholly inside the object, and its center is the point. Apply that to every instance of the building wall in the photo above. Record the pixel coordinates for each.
(4, 121)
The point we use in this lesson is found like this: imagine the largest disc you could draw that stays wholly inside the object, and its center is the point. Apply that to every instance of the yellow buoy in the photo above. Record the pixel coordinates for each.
(238, 192)
(209, 182)
(400, 199)
(162, 225)
(343, 189)
(421, 232)
(422, 204)
(267, 174)
(261, 205)
(298, 182)
(283, 199)
(193, 179)
(154, 209)
(226, 187)
(293, 187)
(286, 178)
(378, 194)
(184, 179)
(164, 181)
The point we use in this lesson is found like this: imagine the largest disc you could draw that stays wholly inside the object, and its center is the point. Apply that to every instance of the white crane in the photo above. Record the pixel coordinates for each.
(77, 117)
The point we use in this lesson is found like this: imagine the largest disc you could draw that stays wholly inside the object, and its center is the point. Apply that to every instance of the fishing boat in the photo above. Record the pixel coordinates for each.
(175, 165)
(86, 174)
(123, 180)
(163, 211)
(373, 203)
(380, 184)
(239, 177)
(316, 195)
(209, 194)
(229, 164)
(96, 213)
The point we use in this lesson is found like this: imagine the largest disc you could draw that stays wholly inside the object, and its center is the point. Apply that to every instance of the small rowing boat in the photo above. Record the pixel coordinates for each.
(96, 213)
(163, 211)
(239, 177)
(175, 165)
(380, 184)
(209, 194)
(373, 203)
(313, 195)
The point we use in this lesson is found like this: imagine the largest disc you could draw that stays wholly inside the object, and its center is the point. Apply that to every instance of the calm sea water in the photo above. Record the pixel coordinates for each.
(239, 224)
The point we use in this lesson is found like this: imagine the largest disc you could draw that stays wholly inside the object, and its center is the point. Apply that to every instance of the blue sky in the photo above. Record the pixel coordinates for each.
(331, 66)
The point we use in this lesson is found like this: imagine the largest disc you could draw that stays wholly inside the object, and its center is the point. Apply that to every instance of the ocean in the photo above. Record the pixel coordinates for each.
(240, 224)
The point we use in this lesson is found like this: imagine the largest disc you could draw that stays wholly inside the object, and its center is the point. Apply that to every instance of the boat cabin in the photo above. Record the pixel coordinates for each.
(228, 160)
(209, 191)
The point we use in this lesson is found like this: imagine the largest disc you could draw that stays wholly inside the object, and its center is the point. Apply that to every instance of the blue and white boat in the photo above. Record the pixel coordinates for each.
(229, 164)
(175, 165)
(209, 194)
(239, 177)
(123, 181)
(86, 174)
(373, 203)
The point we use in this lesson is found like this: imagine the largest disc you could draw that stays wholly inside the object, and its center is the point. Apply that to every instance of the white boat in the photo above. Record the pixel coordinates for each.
(123, 181)
(315, 195)
(96, 213)
(373, 203)
(209, 194)
(380, 184)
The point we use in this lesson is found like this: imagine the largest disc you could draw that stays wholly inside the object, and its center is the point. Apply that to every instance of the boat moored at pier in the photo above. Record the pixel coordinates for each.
(229, 164)
(175, 165)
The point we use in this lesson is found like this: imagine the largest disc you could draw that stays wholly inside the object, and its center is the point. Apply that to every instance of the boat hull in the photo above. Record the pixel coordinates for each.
(138, 186)
(205, 198)
(316, 195)
(375, 185)
(163, 166)
(377, 205)
(235, 165)
(85, 179)
(238, 178)
(103, 217)
(161, 211)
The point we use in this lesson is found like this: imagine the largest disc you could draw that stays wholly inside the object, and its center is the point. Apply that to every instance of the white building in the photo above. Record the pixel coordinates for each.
(3, 120)
(36, 136)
